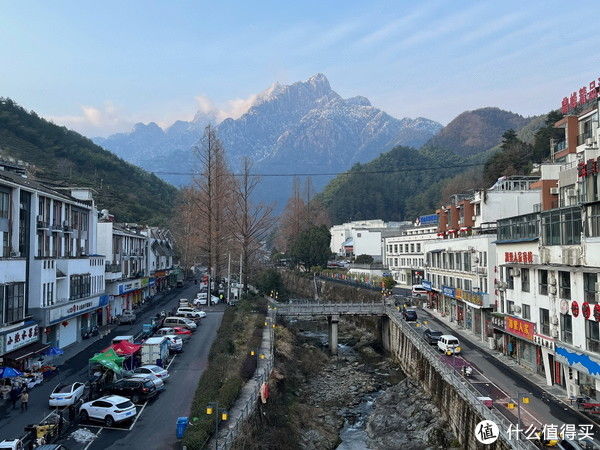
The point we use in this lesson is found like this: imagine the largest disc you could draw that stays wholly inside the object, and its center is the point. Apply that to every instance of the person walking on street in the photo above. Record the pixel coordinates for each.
(24, 400)
(14, 396)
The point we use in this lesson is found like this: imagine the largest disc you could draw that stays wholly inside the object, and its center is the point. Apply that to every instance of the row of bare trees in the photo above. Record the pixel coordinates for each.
(218, 215)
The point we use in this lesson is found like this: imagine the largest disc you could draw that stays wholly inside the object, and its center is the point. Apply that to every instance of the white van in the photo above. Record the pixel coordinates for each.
(449, 343)
(180, 322)
(419, 291)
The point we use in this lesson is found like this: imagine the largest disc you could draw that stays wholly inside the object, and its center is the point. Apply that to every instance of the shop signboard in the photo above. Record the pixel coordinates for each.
(426, 285)
(448, 291)
(587, 92)
(518, 257)
(21, 337)
(63, 312)
(130, 286)
(104, 300)
(519, 327)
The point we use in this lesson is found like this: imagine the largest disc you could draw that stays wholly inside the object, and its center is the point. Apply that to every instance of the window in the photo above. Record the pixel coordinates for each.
(589, 286)
(593, 222)
(521, 227)
(412, 248)
(592, 335)
(510, 280)
(80, 286)
(467, 262)
(451, 260)
(405, 248)
(545, 321)
(566, 328)
(468, 285)
(14, 302)
(418, 248)
(396, 248)
(526, 311)
(562, 226)
(564, 284)
(4, 204)
(510, 306)
(525, 280)
(543, 282)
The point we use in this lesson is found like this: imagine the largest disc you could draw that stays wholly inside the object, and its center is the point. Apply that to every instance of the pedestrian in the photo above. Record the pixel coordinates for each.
(24, 400)
(14, 396)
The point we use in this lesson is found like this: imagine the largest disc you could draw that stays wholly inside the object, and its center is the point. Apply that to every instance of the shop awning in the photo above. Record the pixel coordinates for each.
(110, 360)
(30, 350)
(124, 348)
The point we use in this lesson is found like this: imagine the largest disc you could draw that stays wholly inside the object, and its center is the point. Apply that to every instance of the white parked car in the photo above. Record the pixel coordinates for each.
(66, 394)
(166, 331)
(175, 343)
(151, 369)
(190, 310)
(109, 409)
(158, 383)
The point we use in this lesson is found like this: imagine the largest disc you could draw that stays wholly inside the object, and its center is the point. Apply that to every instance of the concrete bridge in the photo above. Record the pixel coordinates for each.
(332, 311)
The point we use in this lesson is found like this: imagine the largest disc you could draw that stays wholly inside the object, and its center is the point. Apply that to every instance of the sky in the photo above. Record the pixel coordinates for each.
(101, 67)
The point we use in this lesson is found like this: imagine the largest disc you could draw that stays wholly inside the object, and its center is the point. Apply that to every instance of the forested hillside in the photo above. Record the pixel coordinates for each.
(59, 154)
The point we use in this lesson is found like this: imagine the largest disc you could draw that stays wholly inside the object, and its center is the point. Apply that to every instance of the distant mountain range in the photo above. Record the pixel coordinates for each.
(305, 127)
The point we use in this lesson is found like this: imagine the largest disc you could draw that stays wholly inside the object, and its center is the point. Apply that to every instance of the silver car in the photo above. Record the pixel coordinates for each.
(127, 317)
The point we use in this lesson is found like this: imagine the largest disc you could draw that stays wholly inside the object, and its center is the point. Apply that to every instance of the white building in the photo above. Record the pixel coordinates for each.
(461, 267)
(403, 252)
(127, 274)
(160, 257)
(549, 315)
(361, 237)
(51, 276)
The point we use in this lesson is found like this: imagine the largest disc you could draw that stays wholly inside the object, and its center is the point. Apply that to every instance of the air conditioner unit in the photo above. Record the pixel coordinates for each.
(554, 320)
(554, 191)
(517, 309)
(552, 290)
(473, 218)
(554, 332)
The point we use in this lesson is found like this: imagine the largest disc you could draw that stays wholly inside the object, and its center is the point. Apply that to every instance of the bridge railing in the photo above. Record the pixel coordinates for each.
(464, 388)
(324, 309)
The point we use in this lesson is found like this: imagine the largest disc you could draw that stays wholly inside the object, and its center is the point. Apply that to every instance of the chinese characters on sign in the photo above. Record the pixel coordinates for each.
(21, 338)
(518, 257)
(589, 168)
(578, 98)
(519, 327)
(551, 432)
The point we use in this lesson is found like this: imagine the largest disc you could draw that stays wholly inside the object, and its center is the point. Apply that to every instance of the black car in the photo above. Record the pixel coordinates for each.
(410, 315)
(135, 389)
(432, 336)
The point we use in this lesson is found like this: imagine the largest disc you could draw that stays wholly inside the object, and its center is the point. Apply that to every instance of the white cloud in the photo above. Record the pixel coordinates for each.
(238, 106)
(96, 121)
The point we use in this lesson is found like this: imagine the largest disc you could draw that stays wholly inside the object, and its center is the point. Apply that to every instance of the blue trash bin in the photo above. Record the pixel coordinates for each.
(182, 423)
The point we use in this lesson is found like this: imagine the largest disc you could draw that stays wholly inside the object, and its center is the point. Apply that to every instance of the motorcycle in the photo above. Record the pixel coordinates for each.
(467, 371)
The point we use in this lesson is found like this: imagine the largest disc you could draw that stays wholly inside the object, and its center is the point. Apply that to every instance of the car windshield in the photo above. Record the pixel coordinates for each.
(62, 389)
(452, 342)
(435, 333)
(124, 405)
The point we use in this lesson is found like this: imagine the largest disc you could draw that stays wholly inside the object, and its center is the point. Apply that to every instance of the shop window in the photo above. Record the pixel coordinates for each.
(564, 279)
(543, 282)
(566, 328)
(525, 280)
(592, 335)
(545, 321)
(589, 286)
(526, 311)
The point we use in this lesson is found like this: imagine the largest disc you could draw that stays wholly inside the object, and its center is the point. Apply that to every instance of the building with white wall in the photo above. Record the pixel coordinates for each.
(403, 251)
(51, 276)
(362, 237)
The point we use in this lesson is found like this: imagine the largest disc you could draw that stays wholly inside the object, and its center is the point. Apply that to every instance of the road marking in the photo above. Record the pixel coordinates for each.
(171, 362)
(137, 417)
(92, 441)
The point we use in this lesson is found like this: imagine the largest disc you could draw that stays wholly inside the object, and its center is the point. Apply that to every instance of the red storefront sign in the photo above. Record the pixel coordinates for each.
(519, 327)
(518, 257)
(580, 97)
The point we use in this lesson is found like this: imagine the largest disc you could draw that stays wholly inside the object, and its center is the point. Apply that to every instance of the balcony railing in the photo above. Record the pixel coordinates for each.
(113, 268)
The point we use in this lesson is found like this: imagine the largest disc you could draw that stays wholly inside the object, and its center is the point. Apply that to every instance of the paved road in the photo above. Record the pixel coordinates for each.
(13, 422)
(495, 379)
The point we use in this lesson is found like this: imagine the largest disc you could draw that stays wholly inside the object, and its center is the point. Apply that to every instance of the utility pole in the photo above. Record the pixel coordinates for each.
(240, 281)
(228, 276)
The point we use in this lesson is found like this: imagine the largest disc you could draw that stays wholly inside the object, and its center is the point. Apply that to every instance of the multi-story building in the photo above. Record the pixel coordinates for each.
(549, 314)
(51, 277)
(127, 275)
(160, 258)
(403, 252)
(461, 266)
(362, 237)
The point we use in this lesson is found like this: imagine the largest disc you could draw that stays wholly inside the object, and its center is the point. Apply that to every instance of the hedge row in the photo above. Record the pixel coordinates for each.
(222, 381)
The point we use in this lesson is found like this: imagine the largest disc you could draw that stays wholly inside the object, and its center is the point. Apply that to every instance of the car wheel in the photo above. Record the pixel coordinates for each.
(135, 399)
(84, 416)
(109, 421)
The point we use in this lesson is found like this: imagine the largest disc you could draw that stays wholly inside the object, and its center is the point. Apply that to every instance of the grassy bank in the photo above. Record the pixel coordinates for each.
(229, 366)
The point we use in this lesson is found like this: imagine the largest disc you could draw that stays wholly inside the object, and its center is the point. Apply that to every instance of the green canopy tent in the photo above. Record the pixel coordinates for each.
(110, 360)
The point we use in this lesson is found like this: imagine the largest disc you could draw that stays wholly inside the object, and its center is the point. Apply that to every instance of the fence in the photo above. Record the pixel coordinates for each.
(248, 399)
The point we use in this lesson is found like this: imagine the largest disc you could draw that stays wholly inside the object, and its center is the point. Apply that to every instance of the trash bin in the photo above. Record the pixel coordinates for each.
(182, 423)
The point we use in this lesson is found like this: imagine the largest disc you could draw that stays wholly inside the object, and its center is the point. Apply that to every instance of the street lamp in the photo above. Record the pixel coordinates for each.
(219, 413)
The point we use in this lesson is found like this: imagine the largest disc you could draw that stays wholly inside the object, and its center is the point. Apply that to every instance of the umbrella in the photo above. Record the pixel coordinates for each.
(9, 372)
(53, 351)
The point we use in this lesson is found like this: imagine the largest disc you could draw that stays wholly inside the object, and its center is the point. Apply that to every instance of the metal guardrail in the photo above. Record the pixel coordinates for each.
(327, 309)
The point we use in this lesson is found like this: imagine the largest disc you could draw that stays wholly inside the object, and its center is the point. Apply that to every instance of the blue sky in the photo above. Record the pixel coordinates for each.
(100, 67)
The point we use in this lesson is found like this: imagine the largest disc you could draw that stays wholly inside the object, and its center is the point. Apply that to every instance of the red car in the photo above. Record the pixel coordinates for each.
(180, 330)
